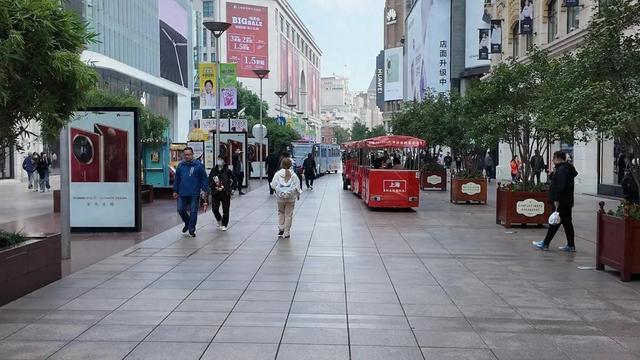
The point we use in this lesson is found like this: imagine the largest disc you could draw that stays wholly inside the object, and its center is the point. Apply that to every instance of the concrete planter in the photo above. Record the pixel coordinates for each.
(29, 266)
(468, 190)
(433, 180)
(618, 244)
(524, 208)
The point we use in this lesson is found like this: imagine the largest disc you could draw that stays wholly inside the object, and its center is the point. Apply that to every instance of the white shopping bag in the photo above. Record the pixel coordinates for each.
(554, 219)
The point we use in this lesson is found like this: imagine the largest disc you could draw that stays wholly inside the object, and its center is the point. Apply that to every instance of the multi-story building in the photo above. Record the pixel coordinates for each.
(268, 35)
(141, 48)
(558, 29)
(336, 96)
(395, 12)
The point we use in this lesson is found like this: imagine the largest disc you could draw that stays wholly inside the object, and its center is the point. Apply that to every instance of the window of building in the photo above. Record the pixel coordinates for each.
(529, 42)
(288, 32)
(552, 21)
(212, 56)
(204, 57)
(204, 37)
(573, 18)
(207, 8)
(281, 23)
(515, 41)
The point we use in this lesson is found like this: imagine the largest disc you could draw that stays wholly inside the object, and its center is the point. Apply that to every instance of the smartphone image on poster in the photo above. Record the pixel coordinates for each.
(86, 156)
(115, 153)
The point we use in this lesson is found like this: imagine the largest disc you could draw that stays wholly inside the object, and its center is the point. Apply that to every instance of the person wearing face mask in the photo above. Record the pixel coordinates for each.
(238, 170)
(221, 181)
(189, 185)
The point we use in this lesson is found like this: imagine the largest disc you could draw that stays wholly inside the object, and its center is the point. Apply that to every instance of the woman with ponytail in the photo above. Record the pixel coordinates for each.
(287, 187)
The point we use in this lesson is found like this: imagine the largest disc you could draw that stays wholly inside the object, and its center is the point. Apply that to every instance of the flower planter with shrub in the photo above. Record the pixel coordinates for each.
(27, 263)
(618, 240)
(468, 187)
(433, 176)
(524, 205)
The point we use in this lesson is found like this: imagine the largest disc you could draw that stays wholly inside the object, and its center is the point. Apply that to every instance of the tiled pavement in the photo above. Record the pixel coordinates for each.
(443, 282)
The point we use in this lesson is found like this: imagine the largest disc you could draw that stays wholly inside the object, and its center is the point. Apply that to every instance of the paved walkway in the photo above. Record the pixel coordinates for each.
(443, 282)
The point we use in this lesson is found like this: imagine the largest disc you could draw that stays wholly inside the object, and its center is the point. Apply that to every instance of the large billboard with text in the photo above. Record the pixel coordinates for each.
(248, 38)
(477, 18)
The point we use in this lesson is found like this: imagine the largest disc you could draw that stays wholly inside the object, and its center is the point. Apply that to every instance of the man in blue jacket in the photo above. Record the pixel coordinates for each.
(30, 167)
(189, 184)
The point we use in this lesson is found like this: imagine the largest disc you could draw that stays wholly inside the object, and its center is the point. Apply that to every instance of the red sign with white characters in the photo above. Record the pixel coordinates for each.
(394, 186)
(248, 38)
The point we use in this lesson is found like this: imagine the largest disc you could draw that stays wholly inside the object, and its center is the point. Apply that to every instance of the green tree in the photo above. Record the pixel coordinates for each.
(42, 78)
(152, 126)
(359, 131)
(377, 131)
(342, 135)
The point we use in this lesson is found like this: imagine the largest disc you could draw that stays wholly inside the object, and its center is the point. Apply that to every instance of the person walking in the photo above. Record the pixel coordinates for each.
(448, 160)
(561, 196)
(622, 166)
(515, 168)
(43, 171)
(238, 171)
(29, 166)
(221, 181)
(537, 165)
(36, 175)
(309, 166)
(272, 164)
(488, 165)
(287, 188)
(189, 184)
(458, 163)
(630, 188)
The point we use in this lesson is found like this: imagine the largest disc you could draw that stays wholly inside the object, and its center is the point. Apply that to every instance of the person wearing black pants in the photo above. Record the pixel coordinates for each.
(561, 195)
(238, 171)
(221, 181)
(272, 163)
(309, 166)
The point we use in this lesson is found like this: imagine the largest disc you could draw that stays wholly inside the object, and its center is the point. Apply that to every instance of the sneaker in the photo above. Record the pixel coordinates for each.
(218, 225)
(192, 233)
(540, 245)
(185, 228)
(280, 233)
(312, 188)
(223, 228)
(287, 236)
(567, 248)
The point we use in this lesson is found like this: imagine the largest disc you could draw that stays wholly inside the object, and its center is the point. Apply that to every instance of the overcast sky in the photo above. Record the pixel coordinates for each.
(349, 32)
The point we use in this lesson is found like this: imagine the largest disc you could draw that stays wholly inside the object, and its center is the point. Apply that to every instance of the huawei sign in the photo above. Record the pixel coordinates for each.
(392, 16)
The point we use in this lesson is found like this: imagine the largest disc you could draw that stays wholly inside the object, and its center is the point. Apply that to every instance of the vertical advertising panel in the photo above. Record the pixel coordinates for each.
(477, 19)
(248, 38)
(414, 53)
(436, 25)
(284, 67)
(526, 17)
(393, 74)
(380, 80)
(103, 158)
(228, 87)
(496, 36)
(208, 89)
(174, 46)
(483, 45)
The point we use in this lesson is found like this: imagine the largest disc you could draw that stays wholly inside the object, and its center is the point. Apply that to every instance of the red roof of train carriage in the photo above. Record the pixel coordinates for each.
(393, 141)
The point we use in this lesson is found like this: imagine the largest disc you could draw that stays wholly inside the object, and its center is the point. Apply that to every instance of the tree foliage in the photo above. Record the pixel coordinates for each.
(359, 131)
(342, 135)
(377, 131)
(41, 75)
(152, 126)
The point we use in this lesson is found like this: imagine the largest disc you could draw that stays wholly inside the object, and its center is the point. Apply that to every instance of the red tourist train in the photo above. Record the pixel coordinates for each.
(384, 171)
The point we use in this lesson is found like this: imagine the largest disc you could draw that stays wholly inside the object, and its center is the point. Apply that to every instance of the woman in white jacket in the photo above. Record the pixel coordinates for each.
(287, 188)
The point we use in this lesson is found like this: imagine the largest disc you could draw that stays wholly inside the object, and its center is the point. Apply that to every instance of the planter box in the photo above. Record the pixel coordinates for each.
(618, 244)
(468, 190)
(524, 208)
(433, 180)
(29, 266)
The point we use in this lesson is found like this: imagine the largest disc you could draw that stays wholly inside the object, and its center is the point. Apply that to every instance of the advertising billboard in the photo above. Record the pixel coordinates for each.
(526, 17)
(393, 74)
(228, 87)
(208, 89)
(496, 36)
(429, 46)
(174, 46)
(477, 19)
(248, 38)
(103, 164)
(380, 80)
(284, 67)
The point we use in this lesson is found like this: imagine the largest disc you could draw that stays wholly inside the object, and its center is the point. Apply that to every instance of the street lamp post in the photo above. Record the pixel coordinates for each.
(281, 94)
(217, 28)
(261, 74)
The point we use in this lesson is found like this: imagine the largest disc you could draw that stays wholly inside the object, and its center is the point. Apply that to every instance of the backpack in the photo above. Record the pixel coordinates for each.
(286, 191)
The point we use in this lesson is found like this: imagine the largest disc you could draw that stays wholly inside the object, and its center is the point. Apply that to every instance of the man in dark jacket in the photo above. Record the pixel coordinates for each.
(630, 188)
(189, 184)
(29, 166)
(561, 196)
(537, 164)
(272, 163)
(309, 166)
(221, 181)
(42, 166)
(238, 171)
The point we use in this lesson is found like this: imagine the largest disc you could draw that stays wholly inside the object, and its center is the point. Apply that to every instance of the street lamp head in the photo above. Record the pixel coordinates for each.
(261, 73)
(281, 94)
(216, 27)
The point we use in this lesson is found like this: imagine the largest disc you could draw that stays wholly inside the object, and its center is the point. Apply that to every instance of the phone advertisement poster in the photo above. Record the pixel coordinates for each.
(102, 167)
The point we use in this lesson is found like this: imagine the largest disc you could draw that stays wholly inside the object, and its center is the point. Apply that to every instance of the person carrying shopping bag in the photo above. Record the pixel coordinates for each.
(287, 187)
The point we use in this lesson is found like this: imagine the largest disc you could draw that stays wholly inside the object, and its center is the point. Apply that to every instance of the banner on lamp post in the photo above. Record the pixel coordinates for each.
(483, 46)
(496, 36)
(228, 87)
(208, 89)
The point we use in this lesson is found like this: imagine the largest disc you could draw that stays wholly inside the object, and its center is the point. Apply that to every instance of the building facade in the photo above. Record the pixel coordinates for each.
(280, 42)
(558, 29)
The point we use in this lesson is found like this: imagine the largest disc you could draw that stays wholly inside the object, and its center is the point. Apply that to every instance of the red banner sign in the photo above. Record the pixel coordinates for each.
(248, 38)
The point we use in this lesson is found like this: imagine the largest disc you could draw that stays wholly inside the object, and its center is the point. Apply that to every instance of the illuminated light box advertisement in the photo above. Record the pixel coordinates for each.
(103, 169)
